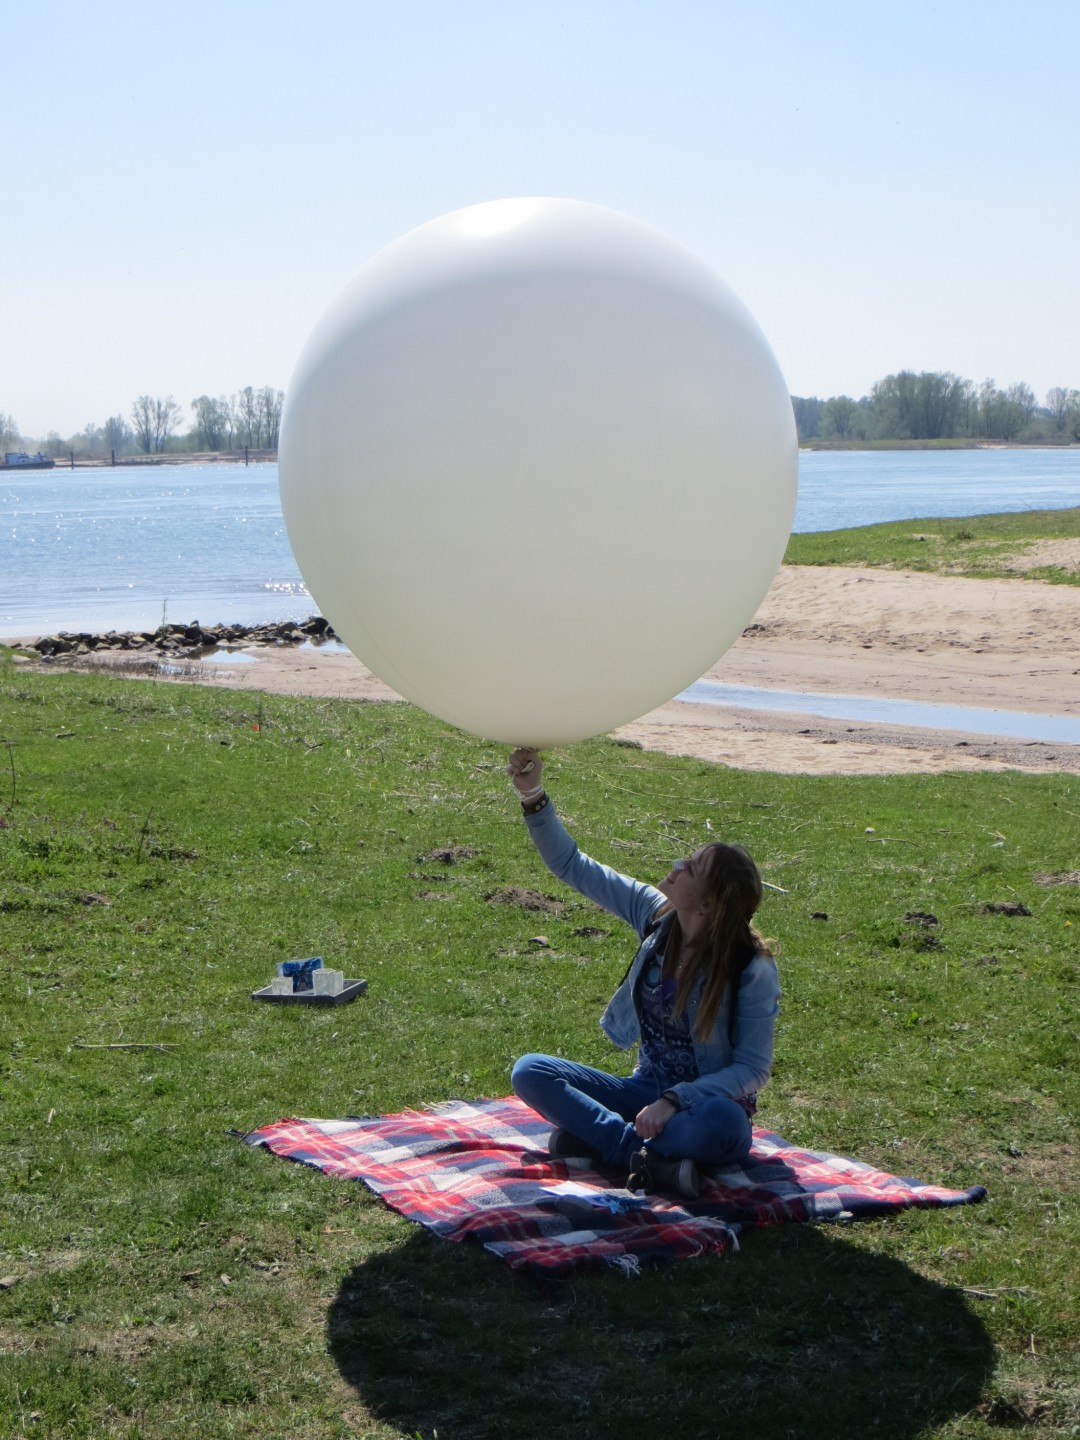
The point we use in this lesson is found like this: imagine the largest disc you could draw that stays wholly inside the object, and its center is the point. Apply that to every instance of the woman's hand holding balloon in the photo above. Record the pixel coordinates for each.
(524, 768)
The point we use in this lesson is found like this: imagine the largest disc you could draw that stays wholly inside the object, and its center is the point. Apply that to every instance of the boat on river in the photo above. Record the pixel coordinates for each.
(20, 460)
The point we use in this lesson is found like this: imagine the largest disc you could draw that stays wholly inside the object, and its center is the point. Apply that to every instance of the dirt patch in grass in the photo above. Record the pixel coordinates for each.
(526, 899)
(1042, 554)
(1056, 1167)
(452, 854)
(126, 1342)
(1060, 877)
(1012, 1412)
(12, 1342)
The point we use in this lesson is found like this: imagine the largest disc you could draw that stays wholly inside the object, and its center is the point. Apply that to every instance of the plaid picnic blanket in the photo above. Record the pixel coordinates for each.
(481, 1170)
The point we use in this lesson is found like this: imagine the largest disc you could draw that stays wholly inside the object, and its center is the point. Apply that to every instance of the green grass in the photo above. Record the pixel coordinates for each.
(162, 846)
(983, 546)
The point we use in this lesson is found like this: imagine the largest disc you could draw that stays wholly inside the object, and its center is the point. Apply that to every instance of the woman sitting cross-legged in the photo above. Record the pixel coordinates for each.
(700, 998)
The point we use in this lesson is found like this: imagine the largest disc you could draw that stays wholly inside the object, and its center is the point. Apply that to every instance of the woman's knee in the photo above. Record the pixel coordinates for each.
(732, 1136)
(527, 1073)
(742, 1143)
(715, 1131)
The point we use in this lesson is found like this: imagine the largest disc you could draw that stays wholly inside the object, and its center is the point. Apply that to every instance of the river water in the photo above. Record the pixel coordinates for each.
(128, 548)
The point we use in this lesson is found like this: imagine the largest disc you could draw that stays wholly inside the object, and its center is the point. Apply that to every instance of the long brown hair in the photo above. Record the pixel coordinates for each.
(729, 941)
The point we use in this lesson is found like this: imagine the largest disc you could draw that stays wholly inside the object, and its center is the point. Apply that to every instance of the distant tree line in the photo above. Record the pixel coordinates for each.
(251, 418)
(938, 405)
(930, 405)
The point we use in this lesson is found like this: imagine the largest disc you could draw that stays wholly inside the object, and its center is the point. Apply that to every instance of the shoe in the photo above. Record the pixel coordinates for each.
(565, 1145)
(650, 1172)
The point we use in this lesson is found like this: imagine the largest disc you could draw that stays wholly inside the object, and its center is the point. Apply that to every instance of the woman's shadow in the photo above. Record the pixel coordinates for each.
(803, 1333)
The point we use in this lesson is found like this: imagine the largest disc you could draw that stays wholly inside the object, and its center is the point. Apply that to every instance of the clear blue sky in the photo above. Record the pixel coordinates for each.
(186, 187)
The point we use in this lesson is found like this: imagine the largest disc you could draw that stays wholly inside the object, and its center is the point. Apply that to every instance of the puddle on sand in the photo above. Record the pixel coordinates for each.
(228, 657)
(224, 656)
(326, 647)
(1012, 724)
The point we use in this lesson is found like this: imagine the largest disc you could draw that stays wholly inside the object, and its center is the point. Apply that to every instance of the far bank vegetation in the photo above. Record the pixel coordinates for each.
(249, 420)
(938, 407)
(928, 408)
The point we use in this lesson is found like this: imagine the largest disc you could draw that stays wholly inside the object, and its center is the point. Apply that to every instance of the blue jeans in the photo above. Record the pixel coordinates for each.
(600, 1109)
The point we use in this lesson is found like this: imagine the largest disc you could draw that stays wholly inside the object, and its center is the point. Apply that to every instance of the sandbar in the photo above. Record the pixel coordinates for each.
(1011, 644)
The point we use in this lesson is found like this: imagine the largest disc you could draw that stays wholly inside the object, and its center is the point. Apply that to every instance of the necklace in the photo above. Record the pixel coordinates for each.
(675, 960)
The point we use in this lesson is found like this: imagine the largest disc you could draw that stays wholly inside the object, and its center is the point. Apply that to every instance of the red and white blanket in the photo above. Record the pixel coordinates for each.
(481, 1170)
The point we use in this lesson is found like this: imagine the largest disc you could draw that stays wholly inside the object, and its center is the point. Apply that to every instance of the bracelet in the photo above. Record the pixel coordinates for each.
(672, 1099)
(533, 807)
(526, 795)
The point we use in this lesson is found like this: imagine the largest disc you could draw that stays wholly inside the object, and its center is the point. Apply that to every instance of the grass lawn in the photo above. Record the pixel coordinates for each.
(162, 846)
(983, 546)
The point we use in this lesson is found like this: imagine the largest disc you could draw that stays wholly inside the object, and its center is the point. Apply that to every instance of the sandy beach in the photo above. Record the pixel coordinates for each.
(994, 644)
(998, 644)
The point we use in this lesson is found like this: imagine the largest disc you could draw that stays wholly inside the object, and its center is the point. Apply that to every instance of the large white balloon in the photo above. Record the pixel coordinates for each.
(538, 468)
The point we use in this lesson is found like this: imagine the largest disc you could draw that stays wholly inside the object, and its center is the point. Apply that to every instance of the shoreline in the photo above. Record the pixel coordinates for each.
(269, 457)
(992, 644)
(146, 462)
(944, 446)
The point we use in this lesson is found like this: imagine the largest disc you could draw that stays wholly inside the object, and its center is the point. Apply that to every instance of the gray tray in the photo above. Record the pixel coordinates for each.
(351, 989)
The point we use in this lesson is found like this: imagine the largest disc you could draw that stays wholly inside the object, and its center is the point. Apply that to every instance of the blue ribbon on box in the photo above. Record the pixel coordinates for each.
(300, 971)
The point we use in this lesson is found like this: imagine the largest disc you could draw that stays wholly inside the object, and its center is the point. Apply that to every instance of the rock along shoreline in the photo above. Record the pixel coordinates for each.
(182, 641)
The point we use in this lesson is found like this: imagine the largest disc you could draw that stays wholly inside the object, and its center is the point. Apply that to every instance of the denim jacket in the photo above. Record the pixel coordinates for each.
(727, 1068)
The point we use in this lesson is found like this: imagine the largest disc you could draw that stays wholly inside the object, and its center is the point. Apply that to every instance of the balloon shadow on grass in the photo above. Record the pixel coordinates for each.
(800, 1334)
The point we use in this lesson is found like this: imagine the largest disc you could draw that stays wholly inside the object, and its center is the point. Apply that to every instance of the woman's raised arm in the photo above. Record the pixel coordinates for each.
(631, 900)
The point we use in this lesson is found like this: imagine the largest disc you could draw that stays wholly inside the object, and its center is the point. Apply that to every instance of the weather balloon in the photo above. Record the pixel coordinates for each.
(538, 468)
